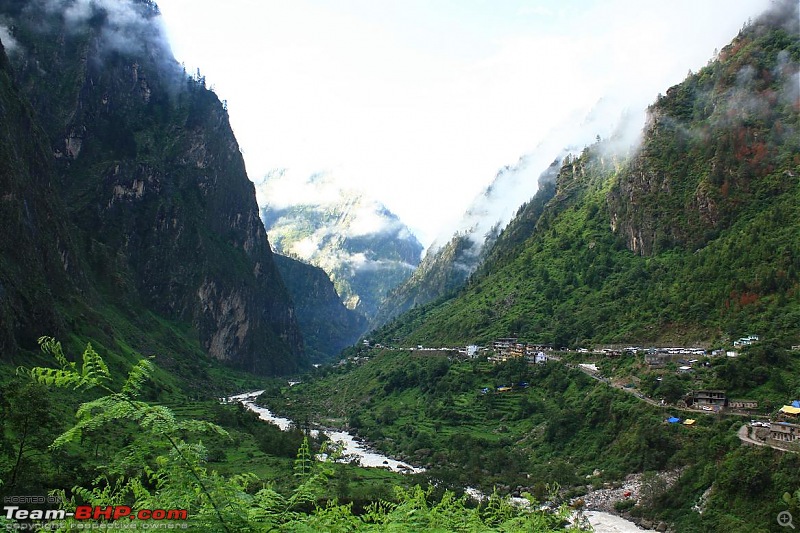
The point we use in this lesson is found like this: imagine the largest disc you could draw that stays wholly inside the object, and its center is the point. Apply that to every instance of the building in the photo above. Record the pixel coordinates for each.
(790, 411)
(784, 432)
(743, 404)
(656, 359)
(713, 398)
(746, 341)
(537, 358)
(504, 345)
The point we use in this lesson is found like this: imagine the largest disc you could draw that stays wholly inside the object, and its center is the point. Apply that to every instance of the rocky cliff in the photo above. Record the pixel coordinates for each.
(152, 177)
(38, 264)
(327, 325)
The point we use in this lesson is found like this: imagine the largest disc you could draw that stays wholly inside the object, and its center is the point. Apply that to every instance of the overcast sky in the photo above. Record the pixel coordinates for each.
(420, 102)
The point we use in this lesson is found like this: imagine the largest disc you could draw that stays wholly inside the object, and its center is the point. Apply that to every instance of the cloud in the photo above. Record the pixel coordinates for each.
(125, 26)
(9, 43)
(420, 105)
(343, 207)
(610, 118)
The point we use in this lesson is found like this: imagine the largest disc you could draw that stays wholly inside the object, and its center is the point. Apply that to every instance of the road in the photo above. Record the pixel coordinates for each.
(746, 439)
(635, 392)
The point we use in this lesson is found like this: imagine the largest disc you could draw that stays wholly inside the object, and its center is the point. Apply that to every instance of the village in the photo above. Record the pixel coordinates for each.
(776, 427)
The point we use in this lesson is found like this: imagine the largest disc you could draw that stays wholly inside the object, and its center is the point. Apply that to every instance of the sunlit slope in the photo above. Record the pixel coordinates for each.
(693, 237)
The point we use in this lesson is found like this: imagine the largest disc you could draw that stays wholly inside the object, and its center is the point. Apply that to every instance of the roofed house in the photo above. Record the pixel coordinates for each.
(743, 404)
(790, 411)
(708, 397)
(784, 432)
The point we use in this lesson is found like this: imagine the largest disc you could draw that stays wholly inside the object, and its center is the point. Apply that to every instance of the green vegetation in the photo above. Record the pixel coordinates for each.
(163, 465)
(554, 425)
(692, 238)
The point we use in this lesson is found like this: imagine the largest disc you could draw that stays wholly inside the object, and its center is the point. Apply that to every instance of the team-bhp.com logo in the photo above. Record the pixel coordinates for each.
(94, 512)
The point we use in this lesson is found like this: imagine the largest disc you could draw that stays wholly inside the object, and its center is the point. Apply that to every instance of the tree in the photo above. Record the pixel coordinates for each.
(671, 389)
(28, 413)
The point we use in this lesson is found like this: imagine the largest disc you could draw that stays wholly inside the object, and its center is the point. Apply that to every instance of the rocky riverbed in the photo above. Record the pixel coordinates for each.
(599, 504)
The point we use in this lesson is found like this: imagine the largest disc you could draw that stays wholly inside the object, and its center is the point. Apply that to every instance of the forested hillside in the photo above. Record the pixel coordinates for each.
(692, 237)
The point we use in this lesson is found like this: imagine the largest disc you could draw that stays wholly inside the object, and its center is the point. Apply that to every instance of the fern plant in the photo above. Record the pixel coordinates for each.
(158, 423)
(178, 478)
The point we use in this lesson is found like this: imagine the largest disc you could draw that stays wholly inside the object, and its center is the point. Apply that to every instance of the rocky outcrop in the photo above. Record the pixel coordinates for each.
(154, 179)
(327, 325)
(38, 262)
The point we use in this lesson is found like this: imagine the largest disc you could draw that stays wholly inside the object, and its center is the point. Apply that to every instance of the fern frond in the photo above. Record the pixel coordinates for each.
(94, 368)
(140, 373)
(94, 415)
(57, 377)
(53, 347)
(159, 418)
(71, 435)
(106, 409)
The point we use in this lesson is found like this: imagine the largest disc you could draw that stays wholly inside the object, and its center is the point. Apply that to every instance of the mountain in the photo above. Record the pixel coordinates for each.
(38, 263)
(160, 215)
(326, 324)
(693, 237)
(445, 269)
(363, 246)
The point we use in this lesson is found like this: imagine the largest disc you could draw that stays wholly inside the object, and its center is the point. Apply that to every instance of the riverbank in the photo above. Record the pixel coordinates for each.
(599, 504)
(635, 487)
(352, 447)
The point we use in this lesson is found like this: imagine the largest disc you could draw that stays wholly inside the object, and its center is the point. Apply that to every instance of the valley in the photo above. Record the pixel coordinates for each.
(625, 341)
(517, 427)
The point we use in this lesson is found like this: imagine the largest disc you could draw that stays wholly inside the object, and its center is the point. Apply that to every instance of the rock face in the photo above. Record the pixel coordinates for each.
(153, 177)
(38, 264)
(327, 325)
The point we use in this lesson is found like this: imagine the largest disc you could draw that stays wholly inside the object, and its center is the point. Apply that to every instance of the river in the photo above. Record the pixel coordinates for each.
(601, 522)
(351, 447)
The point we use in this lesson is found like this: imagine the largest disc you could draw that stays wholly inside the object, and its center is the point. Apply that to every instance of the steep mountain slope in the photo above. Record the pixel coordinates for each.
(365, 248)
(692, 238)
(37, 258)
(438, 274)
(153, 178)
(445, 269)
(327, 325)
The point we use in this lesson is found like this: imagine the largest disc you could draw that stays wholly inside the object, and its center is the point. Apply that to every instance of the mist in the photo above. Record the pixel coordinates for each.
(338, 221)
(9, 43)
(611, 119)
(420, 105)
